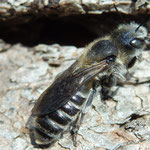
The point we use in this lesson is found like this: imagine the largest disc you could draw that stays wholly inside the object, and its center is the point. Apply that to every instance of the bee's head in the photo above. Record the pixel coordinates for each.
(130, 39)
(124, 45)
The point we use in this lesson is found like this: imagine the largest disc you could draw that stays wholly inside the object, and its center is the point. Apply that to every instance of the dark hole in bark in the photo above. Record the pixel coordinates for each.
(76, 30)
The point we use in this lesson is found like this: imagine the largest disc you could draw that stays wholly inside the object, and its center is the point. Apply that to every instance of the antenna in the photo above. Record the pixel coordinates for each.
(119, 13)
(141, 24)
(138, 27)
(133, 3)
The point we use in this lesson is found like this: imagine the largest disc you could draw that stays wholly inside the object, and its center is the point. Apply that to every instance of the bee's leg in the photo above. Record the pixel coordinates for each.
(74, 129)
(107, 83)
(107, 93)
(76, 125)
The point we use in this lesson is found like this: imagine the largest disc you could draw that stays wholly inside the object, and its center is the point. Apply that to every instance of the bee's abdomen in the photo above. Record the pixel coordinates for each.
(59, 117)
(77, 99)
(49, 128)
(70, 109)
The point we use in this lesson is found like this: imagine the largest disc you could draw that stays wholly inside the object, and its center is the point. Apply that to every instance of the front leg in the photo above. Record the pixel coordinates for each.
(107, 82)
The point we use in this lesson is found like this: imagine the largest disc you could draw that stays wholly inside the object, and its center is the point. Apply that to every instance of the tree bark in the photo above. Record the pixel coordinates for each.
(29, 62)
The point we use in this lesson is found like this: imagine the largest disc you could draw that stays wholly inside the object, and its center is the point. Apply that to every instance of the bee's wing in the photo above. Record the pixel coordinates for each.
(65, 86)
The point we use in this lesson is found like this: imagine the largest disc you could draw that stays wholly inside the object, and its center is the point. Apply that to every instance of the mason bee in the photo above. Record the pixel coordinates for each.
(104, 62)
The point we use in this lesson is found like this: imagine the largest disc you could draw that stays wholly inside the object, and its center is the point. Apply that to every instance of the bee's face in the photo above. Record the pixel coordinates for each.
(130, 41)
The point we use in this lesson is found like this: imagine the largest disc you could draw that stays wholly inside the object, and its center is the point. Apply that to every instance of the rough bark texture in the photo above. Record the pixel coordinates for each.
(13, 8)
(27, 68)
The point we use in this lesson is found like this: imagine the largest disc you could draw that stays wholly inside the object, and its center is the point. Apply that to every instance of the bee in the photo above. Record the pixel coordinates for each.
(105, 61)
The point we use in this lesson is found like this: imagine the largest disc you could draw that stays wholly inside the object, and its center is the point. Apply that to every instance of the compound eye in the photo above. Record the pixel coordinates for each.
(137, 43)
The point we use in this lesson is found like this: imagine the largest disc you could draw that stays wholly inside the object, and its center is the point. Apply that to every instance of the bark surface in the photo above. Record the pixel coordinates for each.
(29, 62)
